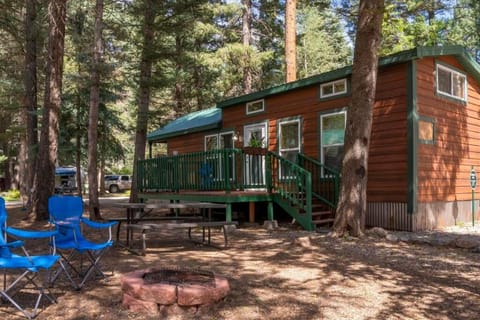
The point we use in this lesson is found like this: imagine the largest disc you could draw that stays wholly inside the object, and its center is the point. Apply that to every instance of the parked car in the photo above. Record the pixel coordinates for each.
(116, 182)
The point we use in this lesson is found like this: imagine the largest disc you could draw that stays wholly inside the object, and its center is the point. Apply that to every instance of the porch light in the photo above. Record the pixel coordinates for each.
(237, 137)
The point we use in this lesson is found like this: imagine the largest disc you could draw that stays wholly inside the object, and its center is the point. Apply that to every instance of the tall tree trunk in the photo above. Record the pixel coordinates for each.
(44, 184)
(290, 40)
(78, 142)
(179, 99)
(353, 194)
(30, 140)
(246, 40)
(144, 91)
(94, 207)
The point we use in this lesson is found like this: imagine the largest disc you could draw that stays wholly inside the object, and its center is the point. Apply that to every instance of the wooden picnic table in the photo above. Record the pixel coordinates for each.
(136, 212)
(206, 227)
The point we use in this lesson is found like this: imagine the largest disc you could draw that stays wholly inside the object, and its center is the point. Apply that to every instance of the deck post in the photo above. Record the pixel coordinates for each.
(251, 212)
(228, 212)
(270, 211)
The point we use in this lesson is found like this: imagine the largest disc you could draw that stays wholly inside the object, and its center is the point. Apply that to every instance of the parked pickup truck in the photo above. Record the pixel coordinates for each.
(116, 182)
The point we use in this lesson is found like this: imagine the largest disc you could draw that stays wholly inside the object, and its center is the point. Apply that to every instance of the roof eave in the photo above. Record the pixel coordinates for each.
(163, 137)
(416, 53)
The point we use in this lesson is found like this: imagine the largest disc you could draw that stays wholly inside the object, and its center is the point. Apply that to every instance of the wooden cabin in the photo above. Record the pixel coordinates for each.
(425, 142)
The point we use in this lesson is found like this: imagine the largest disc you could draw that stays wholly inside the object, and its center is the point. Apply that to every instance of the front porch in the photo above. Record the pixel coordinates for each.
(306, 190)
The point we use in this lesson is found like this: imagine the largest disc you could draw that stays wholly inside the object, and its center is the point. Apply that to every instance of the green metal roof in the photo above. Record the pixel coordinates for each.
(193, 122)
(467, 61)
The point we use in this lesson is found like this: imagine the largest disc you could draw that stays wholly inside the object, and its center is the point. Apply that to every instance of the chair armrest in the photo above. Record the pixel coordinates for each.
(98, 225)
(30, 234)
(13, 244)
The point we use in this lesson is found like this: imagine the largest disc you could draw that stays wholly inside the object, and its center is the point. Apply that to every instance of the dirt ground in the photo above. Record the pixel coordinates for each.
(288, 274)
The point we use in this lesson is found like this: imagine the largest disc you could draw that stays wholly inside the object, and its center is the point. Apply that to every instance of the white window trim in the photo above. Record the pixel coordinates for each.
(246, 139)
(253, 102)
(452, 72)
(334, 93)
(205, 141)
(283, 122)
(321, 132)
(280, 150)
(218, 136)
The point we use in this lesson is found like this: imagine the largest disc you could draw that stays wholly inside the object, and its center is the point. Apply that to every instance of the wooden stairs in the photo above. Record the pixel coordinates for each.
(322, 215)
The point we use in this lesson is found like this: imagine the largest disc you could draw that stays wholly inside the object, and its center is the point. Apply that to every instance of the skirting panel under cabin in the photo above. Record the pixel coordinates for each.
(388, 215)
(436, 215)
(429, 215)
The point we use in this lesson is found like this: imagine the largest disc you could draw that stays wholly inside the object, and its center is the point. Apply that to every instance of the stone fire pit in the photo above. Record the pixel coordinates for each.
(156, 291)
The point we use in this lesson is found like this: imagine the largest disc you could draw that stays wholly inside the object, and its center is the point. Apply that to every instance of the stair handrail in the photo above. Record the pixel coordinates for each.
(302, 184)
(324, 173)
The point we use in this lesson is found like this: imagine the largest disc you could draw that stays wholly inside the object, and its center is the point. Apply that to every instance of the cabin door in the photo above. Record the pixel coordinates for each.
(255, 135)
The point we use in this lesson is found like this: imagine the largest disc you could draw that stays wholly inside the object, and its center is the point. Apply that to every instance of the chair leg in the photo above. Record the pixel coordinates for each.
(94, 260)
(63, 268)
(41, 293)
(66, 265)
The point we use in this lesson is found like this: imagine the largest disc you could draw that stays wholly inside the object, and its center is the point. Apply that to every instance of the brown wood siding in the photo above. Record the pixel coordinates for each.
(444, 168)
(188, 143)
(387, 176)
(389, 142)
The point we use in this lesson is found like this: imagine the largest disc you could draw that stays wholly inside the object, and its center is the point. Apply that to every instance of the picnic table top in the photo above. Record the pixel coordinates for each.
(171, 205)
(180, 224)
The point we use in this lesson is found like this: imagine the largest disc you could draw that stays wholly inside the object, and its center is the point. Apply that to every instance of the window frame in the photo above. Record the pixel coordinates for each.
(433, 124)
(321, 145)
(299, 139)
(249, 104)
(334, 93)
(453, 72)
(210, 136)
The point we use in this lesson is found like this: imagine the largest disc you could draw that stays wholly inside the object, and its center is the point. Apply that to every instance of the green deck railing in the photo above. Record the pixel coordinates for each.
(211, 170)
(325, 181)
(292, 186)
(236, 169)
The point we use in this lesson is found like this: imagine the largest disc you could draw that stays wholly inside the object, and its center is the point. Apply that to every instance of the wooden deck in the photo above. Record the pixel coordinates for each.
(227, 197)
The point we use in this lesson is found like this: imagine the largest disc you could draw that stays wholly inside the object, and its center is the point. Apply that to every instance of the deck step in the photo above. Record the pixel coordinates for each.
(323, 221)
(321, 213)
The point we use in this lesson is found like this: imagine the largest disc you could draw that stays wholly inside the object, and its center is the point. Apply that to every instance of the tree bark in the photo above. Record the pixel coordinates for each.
(353, 193)
(290, 40)
(44, 182)
(30, 140)
(246, 40)
(94, 207)
(78, 143)
(179, 92)
(144, 91)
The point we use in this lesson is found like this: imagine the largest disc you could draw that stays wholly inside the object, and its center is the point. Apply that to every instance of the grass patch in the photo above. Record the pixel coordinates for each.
(11, 195)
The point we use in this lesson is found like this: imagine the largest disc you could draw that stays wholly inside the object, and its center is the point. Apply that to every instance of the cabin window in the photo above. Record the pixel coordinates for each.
(332, 136)
(289, 141)
(255, 106)
(333, 88)
(426, 130)
(211, 142)
(222, 140)
(451, 83)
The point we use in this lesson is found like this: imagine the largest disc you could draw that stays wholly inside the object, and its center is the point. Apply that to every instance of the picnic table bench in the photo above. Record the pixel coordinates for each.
(139, 212)
(206, 227)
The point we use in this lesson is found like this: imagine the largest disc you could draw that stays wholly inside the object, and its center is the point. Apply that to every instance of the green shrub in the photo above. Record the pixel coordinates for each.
(12, 195)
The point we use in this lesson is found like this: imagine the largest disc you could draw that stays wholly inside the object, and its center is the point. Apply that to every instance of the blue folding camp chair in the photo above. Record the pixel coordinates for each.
(66, 214)
(28, 266)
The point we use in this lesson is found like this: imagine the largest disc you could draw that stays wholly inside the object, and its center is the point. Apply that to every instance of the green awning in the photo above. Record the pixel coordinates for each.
(202, 120)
